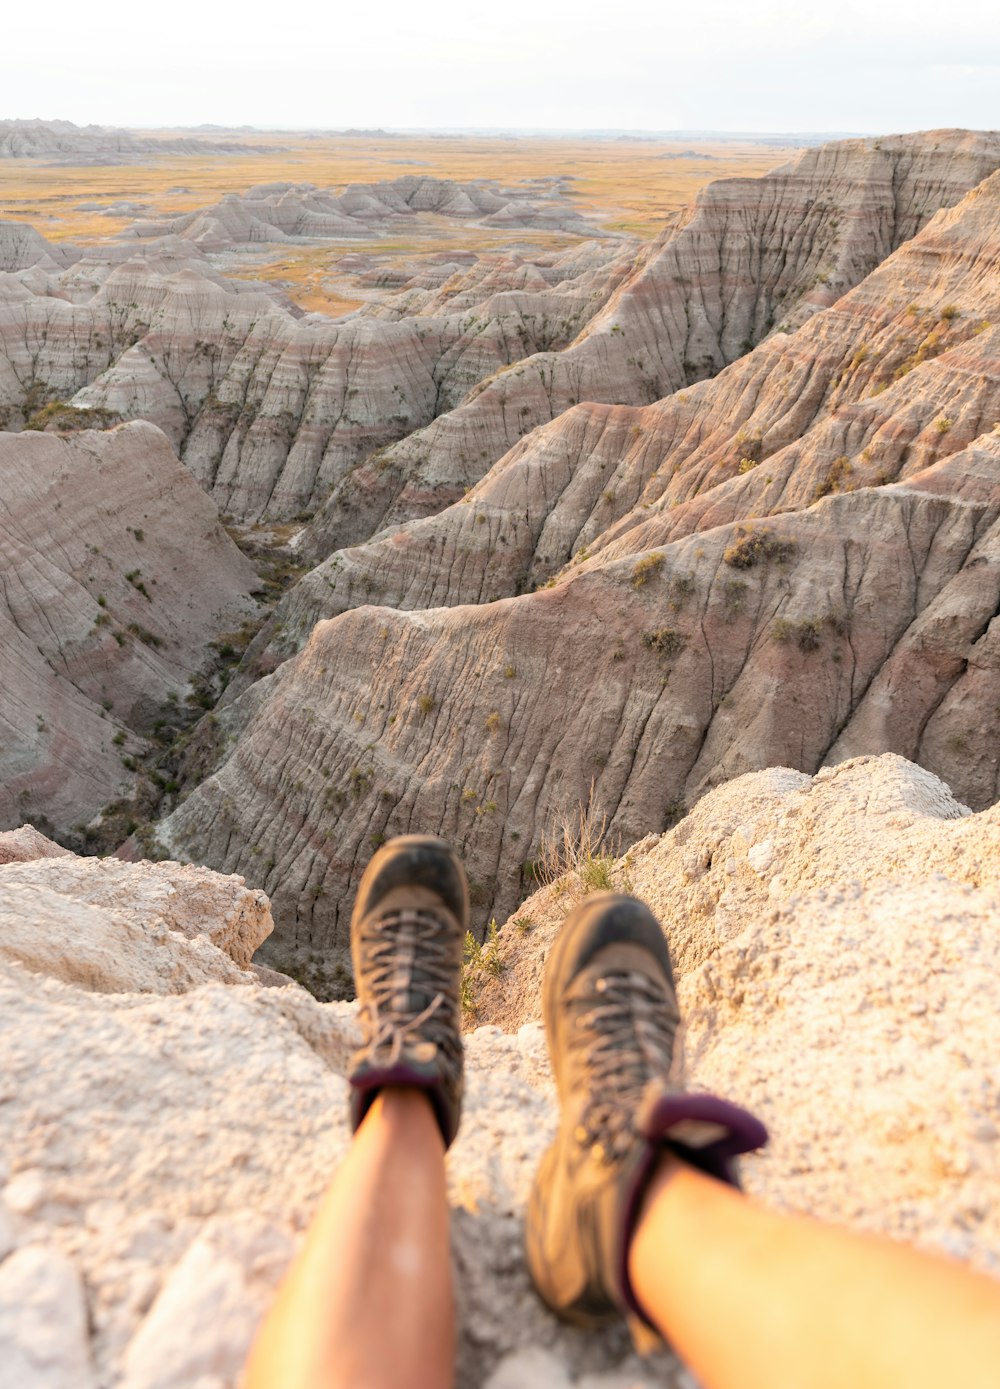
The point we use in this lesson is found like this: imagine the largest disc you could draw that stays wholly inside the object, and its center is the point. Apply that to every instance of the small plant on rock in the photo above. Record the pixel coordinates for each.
(645, 569)
(575, 852)
(666, 642)
(752, 547)
(806, 634)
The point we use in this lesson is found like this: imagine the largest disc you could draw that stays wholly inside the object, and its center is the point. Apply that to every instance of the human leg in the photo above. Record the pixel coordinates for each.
(368, 1302)
(753, 1299)
(635, 1208)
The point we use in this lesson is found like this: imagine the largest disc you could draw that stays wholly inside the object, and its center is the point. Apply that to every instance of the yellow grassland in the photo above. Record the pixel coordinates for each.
(623, 186)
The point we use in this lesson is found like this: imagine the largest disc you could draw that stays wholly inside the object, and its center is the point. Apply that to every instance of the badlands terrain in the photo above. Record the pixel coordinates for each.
(589, 520)
(626, 512)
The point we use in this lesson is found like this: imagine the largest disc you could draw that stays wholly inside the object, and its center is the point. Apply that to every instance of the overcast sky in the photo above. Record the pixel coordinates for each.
(752, 65)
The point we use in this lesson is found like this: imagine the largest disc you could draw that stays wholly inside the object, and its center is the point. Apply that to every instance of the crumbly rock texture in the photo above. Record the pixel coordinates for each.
(117, 579)
(167, 1124)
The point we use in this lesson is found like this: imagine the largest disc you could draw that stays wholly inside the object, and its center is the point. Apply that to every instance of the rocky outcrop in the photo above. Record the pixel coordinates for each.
(828, 934)
(276, 212)
(62, 142)
(751, 255)
(116, 579)
(26, 843)
(103, 927)
(899, 375)
(733, 864)
(637, 682)
(165, 1183)
(152, 1195)
(268, 408)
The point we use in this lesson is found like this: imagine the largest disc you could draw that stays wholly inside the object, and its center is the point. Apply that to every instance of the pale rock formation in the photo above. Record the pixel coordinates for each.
(172, 1174)
(62, 142)
(268, 408)
(866, 828)
(894, 380)
(838, 969)
(117, 577)
(278, 415)
(866, 623)
(750, 254)
(914, 668)
(279, 212)
(271, 413)
(62, 325)
(22, 247)
(775, 686)
(836, 945)
(451, 282)
(43, 1321)
(97, 924)
(26, 843)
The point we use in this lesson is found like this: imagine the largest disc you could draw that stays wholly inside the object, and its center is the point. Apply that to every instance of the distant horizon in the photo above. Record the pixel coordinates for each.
(498, 131)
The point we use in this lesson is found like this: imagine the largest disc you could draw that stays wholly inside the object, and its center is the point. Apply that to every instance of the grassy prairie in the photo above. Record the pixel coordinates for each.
(622, 185)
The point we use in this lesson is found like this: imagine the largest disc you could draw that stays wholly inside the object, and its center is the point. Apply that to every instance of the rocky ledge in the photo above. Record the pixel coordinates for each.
(169, 1113)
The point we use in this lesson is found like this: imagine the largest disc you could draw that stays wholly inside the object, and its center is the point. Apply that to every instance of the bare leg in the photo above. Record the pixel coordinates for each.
(752, 1299)
(368, 1302)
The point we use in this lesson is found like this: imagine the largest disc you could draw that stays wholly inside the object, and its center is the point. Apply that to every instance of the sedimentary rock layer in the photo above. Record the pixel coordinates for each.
(116, 577)
(273, 414)
(900, 375)
(276, 212)
(752, 255)
(637, 683)
(267, 407)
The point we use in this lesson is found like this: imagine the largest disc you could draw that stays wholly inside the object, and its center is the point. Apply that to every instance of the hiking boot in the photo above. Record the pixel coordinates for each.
(407, 936)
(611, 1017)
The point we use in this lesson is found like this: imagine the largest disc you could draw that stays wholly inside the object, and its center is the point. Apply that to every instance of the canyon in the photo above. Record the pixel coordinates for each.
(632, 542)
(605, 525)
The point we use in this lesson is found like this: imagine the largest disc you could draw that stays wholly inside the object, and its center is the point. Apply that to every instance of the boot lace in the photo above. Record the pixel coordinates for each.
(409, 953)
(621, 1037)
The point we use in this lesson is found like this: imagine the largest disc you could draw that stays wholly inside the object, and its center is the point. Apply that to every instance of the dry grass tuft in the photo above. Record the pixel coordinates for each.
(576, 853)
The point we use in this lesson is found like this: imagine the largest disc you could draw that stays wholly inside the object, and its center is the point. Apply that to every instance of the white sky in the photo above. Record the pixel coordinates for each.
(752, 65)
